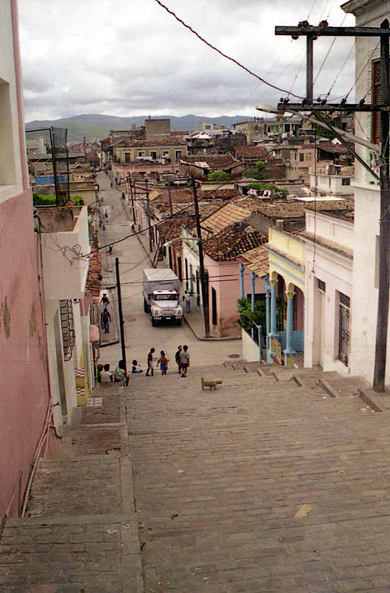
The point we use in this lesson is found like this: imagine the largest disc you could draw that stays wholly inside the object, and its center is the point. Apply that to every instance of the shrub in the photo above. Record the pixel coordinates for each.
(218, 176)
(278, 191)
(247, 317)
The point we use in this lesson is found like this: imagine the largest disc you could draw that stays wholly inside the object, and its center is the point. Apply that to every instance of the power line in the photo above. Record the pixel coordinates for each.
(221, 53)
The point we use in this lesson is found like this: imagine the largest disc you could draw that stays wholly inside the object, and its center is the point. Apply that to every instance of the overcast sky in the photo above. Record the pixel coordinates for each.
(130, 57)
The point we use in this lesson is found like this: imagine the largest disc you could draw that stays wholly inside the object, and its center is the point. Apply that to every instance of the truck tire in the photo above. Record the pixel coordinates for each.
(153, 322)
(179, 322)
(146, 307)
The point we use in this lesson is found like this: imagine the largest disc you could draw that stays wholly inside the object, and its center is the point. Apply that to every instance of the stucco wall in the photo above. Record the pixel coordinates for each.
(250, 350)
(24, 390)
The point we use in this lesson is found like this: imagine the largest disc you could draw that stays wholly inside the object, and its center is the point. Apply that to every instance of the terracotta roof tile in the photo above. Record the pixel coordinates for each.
(257, 260)
(233, 241)
(216, 161)
(225, 216)
(255, 152)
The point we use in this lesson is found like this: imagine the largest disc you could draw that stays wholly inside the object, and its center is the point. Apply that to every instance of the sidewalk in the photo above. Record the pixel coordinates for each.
(80, 533)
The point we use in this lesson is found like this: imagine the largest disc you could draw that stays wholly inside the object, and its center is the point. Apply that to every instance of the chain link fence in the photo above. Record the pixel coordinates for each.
(48, 163)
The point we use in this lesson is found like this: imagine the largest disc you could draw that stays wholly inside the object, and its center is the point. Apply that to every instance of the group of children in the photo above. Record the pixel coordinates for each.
(182, 359)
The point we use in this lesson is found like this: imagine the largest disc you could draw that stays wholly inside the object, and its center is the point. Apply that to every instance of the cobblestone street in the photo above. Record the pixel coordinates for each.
(261, 485)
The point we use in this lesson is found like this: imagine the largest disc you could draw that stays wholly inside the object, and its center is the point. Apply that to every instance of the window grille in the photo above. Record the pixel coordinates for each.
(321, 285)
(344, 331)
(67, 326)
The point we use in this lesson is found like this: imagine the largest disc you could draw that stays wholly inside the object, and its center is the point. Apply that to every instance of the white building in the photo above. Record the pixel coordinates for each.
(332, 180)
(369, 13)
(329, 238)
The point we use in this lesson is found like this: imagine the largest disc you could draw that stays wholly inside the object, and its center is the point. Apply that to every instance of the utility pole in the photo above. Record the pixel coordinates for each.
(383, 32)
(170, 198)
(121, 322)
(132, 191)
(203, 279)
(148, 215)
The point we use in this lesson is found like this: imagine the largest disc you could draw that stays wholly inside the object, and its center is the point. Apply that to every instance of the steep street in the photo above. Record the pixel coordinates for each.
(140, 335)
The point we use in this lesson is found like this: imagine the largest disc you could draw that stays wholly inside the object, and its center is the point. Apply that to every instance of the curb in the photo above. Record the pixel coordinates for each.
(227, 339)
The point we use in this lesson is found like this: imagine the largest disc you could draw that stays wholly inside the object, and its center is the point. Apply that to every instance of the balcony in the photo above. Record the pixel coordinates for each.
(65, 237)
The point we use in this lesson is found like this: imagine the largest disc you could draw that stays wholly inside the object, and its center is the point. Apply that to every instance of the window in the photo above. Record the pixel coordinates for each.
(186, 272)
(127, 157)
(214, 306)
(346, 181)
(344, 316)
(376, 98)
(141, 154)
(153, 154)
(321, 285)
(7, 158)
(302, 157)
(178, 154)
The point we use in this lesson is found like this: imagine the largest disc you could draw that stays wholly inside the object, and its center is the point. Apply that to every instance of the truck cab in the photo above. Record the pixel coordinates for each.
(164, 306)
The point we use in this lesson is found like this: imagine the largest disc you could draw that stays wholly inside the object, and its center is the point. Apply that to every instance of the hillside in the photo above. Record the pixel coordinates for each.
(98, 126)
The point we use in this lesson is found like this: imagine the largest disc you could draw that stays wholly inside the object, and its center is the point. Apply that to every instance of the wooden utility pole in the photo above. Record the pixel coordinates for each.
(203, 279)
(148, 215)
(170, 198)
(384, 230)
(132, 192)
(383, 32)
(121, 322)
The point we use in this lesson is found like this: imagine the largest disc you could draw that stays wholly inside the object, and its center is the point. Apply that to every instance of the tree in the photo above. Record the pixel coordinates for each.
(244, 308)
(259, 172)
(218, 176)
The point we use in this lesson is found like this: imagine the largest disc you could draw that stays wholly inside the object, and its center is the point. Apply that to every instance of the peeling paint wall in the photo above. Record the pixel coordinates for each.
(24, 392)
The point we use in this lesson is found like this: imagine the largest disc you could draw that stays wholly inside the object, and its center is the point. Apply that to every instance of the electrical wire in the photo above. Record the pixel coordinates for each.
(220, 52)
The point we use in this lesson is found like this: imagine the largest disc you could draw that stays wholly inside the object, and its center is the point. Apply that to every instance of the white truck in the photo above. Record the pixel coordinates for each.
(161, 291)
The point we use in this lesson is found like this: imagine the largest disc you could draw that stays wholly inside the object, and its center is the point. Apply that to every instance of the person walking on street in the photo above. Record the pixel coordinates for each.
(105, 301)
(123, 195)
(184, 361)
(106, 318)
(112, 185)
(149, 362)
(163, 362)
(177, 358)
(187, 299)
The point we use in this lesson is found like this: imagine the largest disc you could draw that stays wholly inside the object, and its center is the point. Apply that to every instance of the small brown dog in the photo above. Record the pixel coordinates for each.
(211, 384)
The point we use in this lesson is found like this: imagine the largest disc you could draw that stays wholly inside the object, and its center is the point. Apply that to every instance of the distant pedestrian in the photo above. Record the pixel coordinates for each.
(163, 362)
(112, 185)
(133, 228)
(109, 250)
(187, 298)
(105, 301)
(104, 227)
(149, 362)
(184, 361)
(106, 215)
(106, 375)
(123, 195)
(106, 318)
(177, 358)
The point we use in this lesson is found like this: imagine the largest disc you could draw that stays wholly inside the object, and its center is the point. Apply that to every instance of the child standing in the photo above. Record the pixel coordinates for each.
(163, 362)
(149, 362)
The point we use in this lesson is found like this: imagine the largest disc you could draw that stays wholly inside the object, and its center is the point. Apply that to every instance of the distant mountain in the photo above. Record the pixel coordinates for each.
(97, 126)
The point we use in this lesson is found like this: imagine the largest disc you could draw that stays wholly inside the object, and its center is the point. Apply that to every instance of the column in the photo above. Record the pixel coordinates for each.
(253, 280)
(241, 267)
(271, 319)
(289, 335)
(268, 316)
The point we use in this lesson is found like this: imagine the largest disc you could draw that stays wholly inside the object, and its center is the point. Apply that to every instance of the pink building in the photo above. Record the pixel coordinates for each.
(24, 393)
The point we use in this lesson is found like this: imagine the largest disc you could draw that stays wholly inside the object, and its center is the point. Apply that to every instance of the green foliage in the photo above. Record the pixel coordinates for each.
(259, 172)
(218, 176)
(247, 317)
(278, 191)
(322, 132)
(43, 200)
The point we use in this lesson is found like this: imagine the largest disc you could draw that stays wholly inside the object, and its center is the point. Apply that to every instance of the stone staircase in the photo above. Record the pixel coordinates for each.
(80, 533)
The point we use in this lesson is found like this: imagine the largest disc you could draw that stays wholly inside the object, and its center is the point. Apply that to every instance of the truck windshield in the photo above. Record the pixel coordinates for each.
(165, 297)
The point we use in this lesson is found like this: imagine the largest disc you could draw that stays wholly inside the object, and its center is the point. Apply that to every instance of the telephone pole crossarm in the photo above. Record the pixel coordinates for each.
(333, 31)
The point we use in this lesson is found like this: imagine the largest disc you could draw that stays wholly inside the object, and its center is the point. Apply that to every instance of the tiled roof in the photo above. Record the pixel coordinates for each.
(222, 193)
(94, 277)
(283, 209)
(236, 239)
(225, 216)
(255, 152)
(333, 148)
(215, 161)
(344, 209)
(169, 141)
(257, 260)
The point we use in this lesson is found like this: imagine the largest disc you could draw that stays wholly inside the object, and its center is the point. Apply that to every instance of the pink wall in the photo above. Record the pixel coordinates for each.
(225, 279)
(24, 390)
